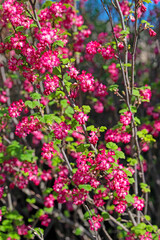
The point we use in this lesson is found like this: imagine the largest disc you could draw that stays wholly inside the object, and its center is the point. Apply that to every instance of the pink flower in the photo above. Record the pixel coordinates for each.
(45, 220)
(95, 222)
(50, 84)
(157, 125)
(138, 203)
(86, 81)
(92, 47)
(22, 230)
(98, 107)
(60, 130)
(81, 117)
(0, 215)
(16, 108)
(152, 33)
(146, 94)
(125, 119)
(93, 139)
(49, 201)
(114, 72)
(48, 151)
(143, 8)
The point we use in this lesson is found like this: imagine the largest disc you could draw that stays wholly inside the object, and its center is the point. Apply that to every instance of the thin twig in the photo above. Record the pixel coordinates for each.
(106, 233)
(91, 221)
(36, 233)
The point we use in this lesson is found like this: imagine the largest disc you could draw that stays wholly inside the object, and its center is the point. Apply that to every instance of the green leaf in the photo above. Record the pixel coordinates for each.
(19, 29)
(129, 174)
(64, 103)
(119, 154)
(59, 43)
(32, 104)
(78, 232)
(48, 191)
(145, 188)
(14, 235)
(127, 64)
(131, 180)
(113, 88)
(111, 146)
(39, 213)
(35, 96)
(89, 214)
(48, 210)
(105, 215)
(6, 222)
(47, 4)
(102, 129)
(129, 198)
(91, 128)
(69, 111)
(137, 120)
(133, 109)
(69, 139)
(124, 32)
(14, 149)
(144, 21)
(14, 215)
(105, 67)
(86, 109)
(139, 229)
(132, 161)
(65, 61)
(85, 187)
(147, 1)
(66, 213)
(57, 72)
(82, 147)
(147, 217)
(31, 200)
(136, 92)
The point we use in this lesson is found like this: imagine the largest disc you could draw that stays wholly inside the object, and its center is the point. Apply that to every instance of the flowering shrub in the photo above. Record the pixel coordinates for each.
(79, 120)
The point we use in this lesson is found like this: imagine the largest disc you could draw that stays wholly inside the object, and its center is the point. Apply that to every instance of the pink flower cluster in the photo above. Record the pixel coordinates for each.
(86, 81)
(14, 63)
(98, 107)
(114, 72)
(73, 72)
(14, 13)
(125, 119)
(13, 167)
(125, 7)
(16, 108)
(146, 94)
(48, 61)
(77, 196)
(27, 126)
(49, 201)
(93, 139)
(100, 89)
(138, 203)
(152, 33)
(157, 125)
(48, 151)
(95, 222)
(118, 182)
(81, 117)
(22, 230)
(45, 220)
(117, 136)
(94, 47)
(60, 130)
(50, 84)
